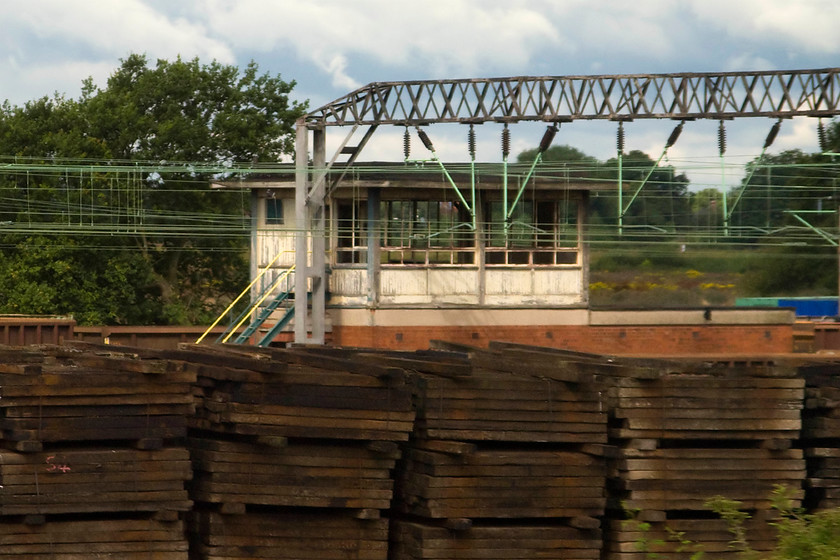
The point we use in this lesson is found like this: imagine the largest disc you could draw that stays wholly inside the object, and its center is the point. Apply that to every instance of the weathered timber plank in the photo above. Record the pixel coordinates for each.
(552, 435)
(315, 413)
(110, 409)
(230, 494)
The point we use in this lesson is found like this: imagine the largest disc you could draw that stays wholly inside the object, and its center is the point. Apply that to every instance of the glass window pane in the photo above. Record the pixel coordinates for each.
(273, 211)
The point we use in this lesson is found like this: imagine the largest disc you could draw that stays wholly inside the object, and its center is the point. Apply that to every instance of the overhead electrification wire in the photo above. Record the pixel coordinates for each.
(79, 188)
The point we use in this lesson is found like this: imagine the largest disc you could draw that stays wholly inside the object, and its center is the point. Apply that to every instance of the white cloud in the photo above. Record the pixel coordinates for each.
(52, 45)
(337, 68)
(804, 25)
(797, 133)
(334, 46)
(117, 27)
(645, 27)
(64, 78)
(436, 38)
(746, 61)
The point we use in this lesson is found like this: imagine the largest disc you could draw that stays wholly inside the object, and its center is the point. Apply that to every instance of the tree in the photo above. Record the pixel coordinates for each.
(832, 137)
(663, 200)
(706, 212)
(561, 154)
(60, 276)
(777, 184)
(180, 111)
(188, 112)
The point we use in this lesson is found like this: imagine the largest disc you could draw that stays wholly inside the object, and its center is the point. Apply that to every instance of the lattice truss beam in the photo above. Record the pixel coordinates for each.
(780, 94)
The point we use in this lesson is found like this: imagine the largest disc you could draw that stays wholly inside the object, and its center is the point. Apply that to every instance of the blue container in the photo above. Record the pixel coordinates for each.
(812, 307)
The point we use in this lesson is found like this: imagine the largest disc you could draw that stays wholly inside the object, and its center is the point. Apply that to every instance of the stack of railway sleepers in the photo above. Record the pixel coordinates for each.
(137, 538)
(698, 406)
(821, 434)
(512, 394)
(93, 457)
(508, 456)
(69, 480)
(293, 452)
(298, 474)
(697, 431)
(74, 395)
(683, 539)
(413, 540)
(503, 484)
(311, 534)
(301, 394)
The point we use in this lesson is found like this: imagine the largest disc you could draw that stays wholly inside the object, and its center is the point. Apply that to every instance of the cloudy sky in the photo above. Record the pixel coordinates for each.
(330, 47)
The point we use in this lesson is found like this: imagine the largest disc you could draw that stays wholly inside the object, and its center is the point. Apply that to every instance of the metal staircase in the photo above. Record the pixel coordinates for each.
(278, 292)
(260, 314)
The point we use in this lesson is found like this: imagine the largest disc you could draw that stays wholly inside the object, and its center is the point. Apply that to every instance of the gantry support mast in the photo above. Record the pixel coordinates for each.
(683, 96)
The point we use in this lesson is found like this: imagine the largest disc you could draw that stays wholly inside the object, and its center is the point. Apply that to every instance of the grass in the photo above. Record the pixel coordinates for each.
(657, 278)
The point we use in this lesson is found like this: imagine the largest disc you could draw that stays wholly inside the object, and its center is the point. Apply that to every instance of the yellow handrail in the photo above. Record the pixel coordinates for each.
(240, 296)
(259, 301)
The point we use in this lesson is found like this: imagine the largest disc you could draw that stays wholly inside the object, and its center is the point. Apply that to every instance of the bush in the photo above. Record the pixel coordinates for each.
(801, 535)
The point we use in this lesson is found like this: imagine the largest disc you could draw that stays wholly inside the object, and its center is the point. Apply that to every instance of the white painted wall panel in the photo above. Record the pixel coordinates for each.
(404, 282)
(270, 243)
(508, 282)
(351, 282)
(453, 282)
(558, 282)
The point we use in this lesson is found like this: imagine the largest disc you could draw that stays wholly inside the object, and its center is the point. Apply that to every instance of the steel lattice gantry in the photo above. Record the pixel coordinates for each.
(683, 96)
(675, 96)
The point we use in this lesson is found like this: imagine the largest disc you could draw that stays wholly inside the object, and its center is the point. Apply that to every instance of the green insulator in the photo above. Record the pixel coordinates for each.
(822, 137)
(620, 138)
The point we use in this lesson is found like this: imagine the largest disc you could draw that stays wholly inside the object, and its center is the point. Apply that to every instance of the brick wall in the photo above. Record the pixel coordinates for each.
(647, 339)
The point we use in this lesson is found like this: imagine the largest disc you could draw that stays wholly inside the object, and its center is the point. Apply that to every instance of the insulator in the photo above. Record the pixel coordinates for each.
(620, 138)
(505, 141)
(674, 135)
(425, 139)
(547, 138)
(822, 137)
(407, 143)
(772, 134)
(471, 141)
(721, 138)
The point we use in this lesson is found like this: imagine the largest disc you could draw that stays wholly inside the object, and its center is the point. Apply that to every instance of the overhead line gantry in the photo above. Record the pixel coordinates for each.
(552, 99)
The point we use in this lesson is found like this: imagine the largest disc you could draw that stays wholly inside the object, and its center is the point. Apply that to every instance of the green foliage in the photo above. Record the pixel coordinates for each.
(664, 257)
(729, 511)
(809, 271)
(172, 112)
(832, 136)
(40, 275)
(804, 536)
(186, 111)
(779, 183)
(646, 544)
(801, 535)
(561, 154)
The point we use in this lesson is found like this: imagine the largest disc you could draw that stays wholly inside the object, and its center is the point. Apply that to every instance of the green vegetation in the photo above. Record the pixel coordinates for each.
(800, 535)
(669, 276)
(763, 249)
(131, 246)
(95, 243)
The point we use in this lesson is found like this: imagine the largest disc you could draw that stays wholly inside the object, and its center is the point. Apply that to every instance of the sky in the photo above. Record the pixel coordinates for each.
(331, 47)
